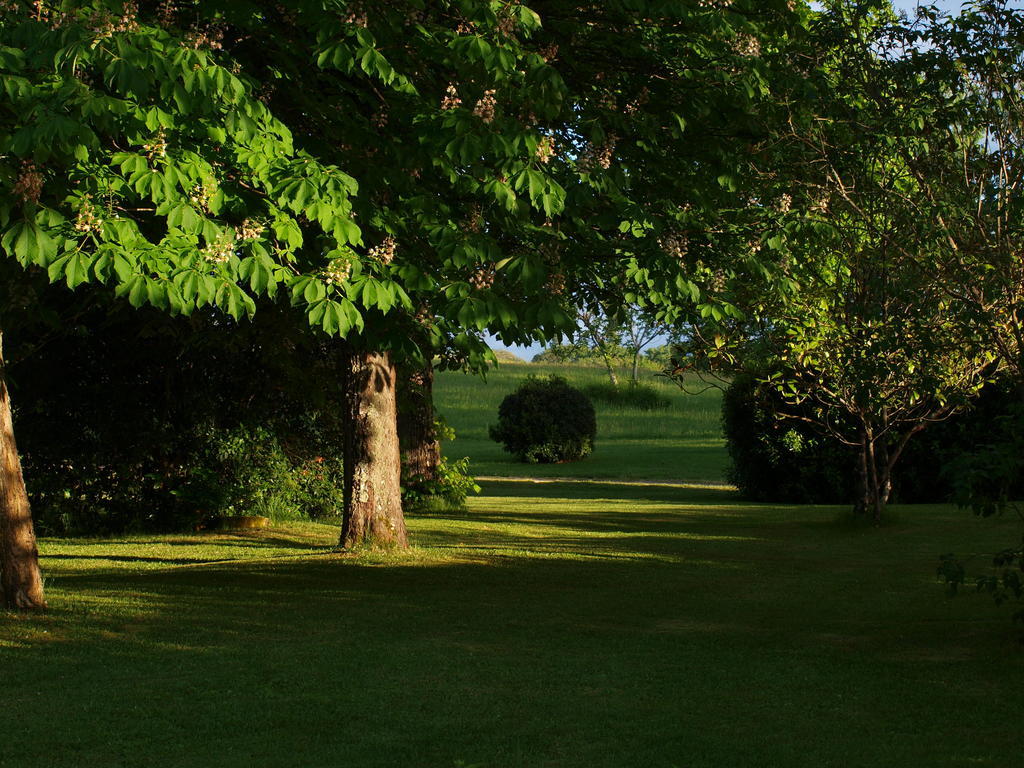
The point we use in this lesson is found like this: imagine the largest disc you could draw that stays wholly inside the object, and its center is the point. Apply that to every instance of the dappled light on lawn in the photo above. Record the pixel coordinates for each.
(611, 609)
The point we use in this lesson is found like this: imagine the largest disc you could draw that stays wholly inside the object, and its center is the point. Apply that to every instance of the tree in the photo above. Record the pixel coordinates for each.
(476, 157)
(955, 83)
(160, 173)
(131, 157)
(470, 158)
(864, 340)
(938, 97)
(439, 113)
(614, 337)
(19, 557)
(443, 348)
(639, 331)
(604, 336)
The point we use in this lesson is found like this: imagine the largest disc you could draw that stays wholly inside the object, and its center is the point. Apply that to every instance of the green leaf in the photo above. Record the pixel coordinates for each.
(728, 181)
(78, 269)
(315, 291)
(346, 230)
(29, 244)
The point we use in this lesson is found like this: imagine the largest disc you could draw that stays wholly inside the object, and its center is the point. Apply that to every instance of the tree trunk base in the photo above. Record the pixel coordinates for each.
(21, 581)
(373, 492)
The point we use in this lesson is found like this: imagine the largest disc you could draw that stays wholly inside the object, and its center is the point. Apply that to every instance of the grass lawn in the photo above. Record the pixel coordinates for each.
(683, 442)
(554, 624)
(571, 623)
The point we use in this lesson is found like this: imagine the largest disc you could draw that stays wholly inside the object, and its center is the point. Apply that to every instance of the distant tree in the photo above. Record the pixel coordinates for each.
(613, 338)
(661, 355)
(867, 343)
(639, 330)
(603, 335)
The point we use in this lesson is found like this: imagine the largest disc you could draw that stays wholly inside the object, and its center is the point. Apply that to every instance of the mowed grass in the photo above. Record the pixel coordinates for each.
(573, 623)
(553, 624)
(682, 443)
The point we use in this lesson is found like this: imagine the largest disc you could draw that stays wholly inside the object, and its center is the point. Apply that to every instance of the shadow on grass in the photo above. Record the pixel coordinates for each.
(635, 630)
(503, 661)
(595, 529)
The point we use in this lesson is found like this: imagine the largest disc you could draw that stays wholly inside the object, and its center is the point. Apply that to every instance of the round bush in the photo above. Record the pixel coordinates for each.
(546, 421)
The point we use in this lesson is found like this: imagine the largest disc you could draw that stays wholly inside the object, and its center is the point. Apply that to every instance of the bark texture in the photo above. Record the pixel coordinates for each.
(421, 450)
(21, 582)
(373, 492)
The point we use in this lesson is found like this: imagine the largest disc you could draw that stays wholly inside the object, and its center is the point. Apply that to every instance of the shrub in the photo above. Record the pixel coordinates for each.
(546, 421)
(246, 471)
(781, 460)
(198, 417)
(447, 492)
(640, 396)
(785, 460)
(450, 486)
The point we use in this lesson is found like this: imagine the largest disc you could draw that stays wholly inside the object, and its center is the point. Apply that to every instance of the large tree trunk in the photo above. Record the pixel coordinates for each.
(421, 450)
(21, 583)
(373, 492)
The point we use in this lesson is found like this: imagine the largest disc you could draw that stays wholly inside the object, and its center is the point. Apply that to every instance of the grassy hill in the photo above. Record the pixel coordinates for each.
(505, 357)
(682, 443)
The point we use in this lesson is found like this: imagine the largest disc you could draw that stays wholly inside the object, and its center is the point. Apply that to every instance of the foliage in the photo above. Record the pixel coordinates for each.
(1005, 581)
(450, 486)
(187, 168)
(546, 421)
(956, 137)
(677, 138)
(639, 396)
(439, 111)
(864, 344)
(447, 491)
(566, 353)
(989, 480)
(781, 460)
(218, 473)
(246, 471)
(138, 421)
(660, 356)
(778, 456)
(134, 156)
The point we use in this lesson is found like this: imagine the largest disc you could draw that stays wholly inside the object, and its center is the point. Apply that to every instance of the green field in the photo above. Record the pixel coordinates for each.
(682, 443)
(575, 624)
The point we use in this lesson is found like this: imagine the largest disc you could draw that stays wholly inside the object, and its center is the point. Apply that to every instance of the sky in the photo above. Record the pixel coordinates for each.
(906, 5)
(946, 5)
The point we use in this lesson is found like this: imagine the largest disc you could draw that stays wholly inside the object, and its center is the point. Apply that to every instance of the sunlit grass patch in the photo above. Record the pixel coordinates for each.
(552, 623)
(681, 442)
